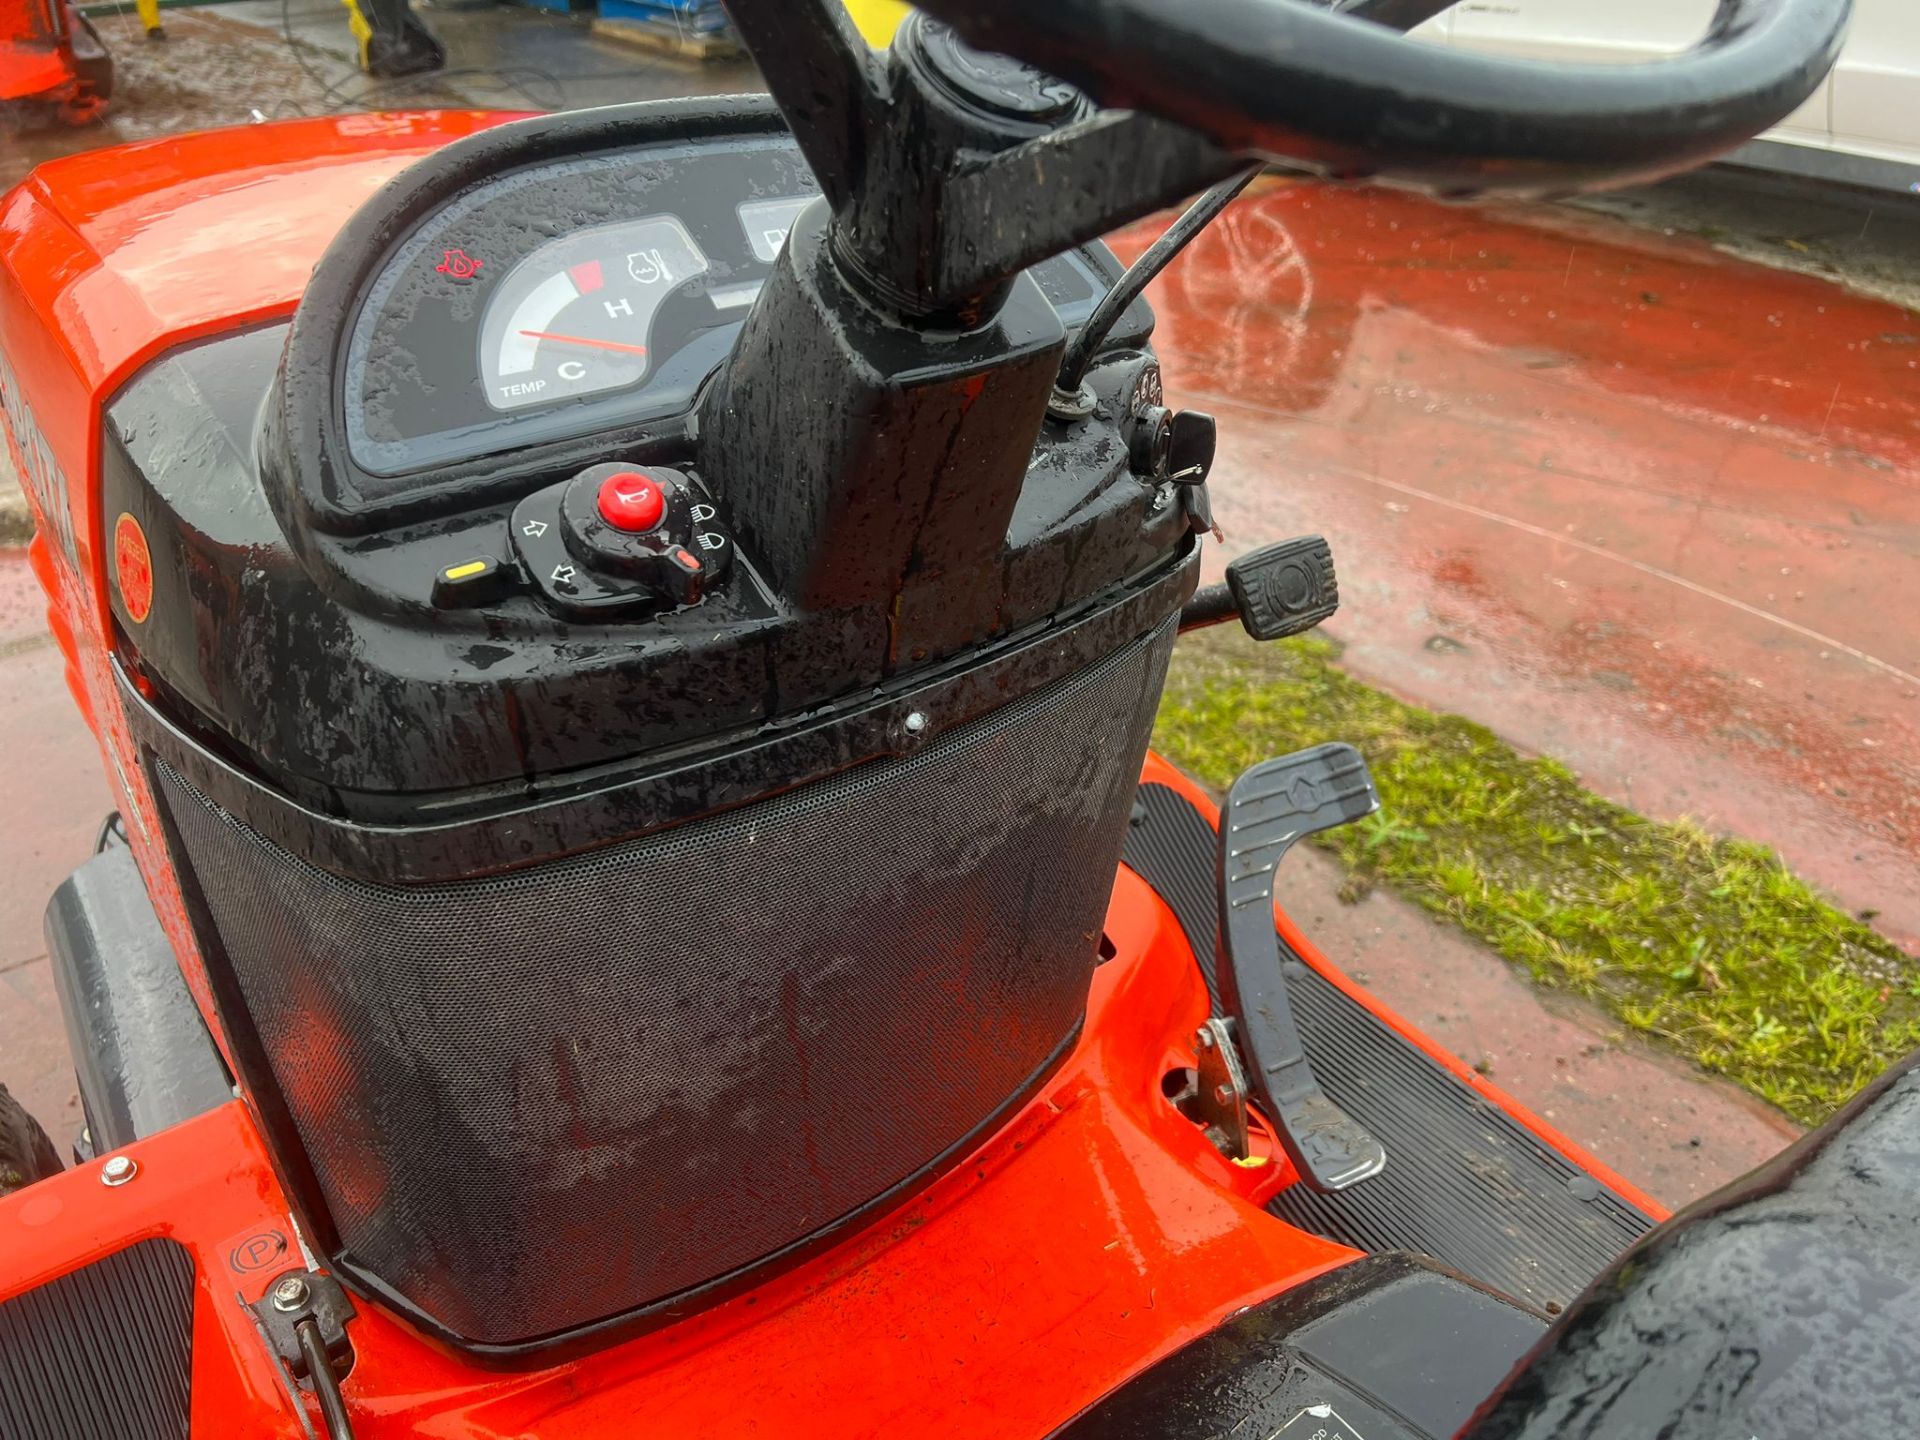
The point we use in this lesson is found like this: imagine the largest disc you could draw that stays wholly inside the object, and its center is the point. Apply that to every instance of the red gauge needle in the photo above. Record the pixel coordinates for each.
(586, 340)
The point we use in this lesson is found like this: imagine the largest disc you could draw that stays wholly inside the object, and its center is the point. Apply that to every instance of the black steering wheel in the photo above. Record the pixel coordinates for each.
(949, 168)
(1341, 91)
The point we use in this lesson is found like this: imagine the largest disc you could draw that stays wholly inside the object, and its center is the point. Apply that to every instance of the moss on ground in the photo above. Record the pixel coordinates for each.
(1710, 944)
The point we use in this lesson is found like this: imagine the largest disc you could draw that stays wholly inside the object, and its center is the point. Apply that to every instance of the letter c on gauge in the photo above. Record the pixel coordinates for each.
(572, 370)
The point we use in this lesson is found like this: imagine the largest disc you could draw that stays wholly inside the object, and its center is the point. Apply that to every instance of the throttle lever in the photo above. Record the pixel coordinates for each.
(1271, 806)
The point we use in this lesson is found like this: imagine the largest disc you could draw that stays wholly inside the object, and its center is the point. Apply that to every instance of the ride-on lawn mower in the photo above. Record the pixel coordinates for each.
(50, 54)
(643, 905)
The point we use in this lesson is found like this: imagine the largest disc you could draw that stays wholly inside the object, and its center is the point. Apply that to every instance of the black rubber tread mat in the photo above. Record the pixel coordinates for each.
(1465, 1182)
(102, 1353)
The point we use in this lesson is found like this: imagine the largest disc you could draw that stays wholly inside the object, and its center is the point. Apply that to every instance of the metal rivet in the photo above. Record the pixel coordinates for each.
(290, 1294)
(916, 722)
(118, 1170)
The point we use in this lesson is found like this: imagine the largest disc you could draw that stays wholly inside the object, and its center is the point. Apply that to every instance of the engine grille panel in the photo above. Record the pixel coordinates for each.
(105, 1350)
(544, 1098)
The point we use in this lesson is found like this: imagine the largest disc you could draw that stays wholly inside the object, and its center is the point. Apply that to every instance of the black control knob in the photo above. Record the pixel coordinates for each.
(623, 536)
(636, 521)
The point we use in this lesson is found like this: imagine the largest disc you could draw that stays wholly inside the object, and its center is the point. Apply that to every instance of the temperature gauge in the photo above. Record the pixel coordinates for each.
(576, 316)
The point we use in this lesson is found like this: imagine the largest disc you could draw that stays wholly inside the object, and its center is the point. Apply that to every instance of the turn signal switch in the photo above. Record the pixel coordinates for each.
(618, 537)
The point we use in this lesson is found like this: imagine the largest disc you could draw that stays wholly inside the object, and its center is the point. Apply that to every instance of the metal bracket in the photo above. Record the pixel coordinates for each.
(1220, 1102)
(304, 1316)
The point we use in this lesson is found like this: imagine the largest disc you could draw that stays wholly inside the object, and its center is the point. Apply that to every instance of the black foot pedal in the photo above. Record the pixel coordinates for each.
(1275, 591)
(1285, 589)
(1270, 807)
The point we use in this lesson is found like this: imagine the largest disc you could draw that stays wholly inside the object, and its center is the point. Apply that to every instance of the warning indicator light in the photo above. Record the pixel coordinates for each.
(459, 264)
(470, 582)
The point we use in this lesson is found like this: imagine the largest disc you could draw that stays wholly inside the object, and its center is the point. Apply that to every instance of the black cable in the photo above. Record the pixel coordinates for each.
(1079, 353)
(326, 1385)
(113, 831)
(298, 51)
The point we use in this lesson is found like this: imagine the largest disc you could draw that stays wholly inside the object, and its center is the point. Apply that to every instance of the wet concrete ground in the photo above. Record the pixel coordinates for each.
(1864, 239)
(1629, 501)
(225, 65)
(53, 797)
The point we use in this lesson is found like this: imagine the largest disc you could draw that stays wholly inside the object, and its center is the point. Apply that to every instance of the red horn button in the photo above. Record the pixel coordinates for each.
(630, 501)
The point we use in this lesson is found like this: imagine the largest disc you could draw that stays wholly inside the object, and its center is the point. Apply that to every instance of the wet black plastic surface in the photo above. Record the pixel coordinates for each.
(694, 1051)
(1305, 85)
(1785, 1305)
(328, 664)
(469, 834)
(1387, 1348)
(142, 1052)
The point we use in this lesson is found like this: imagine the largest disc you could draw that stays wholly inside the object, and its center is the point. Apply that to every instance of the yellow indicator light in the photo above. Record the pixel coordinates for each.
(461, 572)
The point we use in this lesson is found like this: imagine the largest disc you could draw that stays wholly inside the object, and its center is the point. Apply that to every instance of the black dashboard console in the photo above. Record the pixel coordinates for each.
(401, 588)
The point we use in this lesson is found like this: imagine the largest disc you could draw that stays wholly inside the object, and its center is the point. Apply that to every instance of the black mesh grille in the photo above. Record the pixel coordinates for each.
(551, 1096)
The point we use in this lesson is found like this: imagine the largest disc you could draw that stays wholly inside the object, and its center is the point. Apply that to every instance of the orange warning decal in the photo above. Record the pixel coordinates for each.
(133, 568)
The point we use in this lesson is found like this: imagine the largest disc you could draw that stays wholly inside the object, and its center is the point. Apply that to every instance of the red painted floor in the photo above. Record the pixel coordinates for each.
(1626, 500)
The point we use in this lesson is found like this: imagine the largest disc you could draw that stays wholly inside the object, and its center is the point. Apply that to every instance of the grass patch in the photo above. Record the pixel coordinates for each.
(1710, 944)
